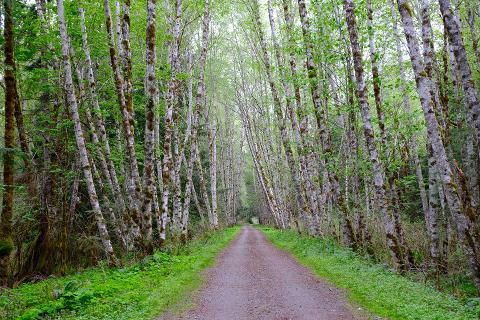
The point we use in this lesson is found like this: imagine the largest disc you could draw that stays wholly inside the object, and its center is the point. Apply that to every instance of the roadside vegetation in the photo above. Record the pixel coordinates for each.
(371, 285)
(138, 291)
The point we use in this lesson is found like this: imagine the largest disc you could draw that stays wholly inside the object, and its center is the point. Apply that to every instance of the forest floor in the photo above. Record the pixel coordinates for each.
(253, 279)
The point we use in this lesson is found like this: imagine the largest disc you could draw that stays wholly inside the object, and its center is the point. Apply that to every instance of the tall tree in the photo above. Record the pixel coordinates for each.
(170, 102)
(378, 171)
(6, 242)
(452, 25)
(79, 136)
(150, 108)
(100, 122)
(126, 118)
(424, 87)
(302, 209)
(323, 131)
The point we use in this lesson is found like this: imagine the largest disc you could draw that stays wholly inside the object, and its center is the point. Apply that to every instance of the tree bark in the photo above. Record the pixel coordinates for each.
(424, 86)
(301, 206)
(150, 108)
(473, 32)
(452, 24)
(300, 119)
(170, 105)
(432, 213)
(127, 63)
(126, 120)
(378, 171)
(6, 242)
(377, 89)
(432, 217)
(407, 105)
(200, 107)
(82, 150)
(118, 28)
(212, 144)
(323, 131)
(100, 122)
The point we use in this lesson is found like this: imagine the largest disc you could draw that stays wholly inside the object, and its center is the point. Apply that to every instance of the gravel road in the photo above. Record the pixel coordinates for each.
(252, 280)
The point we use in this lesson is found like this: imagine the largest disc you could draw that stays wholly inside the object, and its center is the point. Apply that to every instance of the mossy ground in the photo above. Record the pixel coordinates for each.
(141, 291)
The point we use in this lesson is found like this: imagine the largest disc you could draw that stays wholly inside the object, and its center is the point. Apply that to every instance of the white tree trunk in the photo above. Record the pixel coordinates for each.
(424, 87)
(212, 143)
(82, 150)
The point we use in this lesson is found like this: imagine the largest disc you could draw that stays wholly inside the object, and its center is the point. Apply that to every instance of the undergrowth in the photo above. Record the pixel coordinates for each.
(373, 286)
(140, 291)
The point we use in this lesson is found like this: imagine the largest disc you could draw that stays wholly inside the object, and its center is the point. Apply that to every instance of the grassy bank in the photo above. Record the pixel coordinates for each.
(372, 286)
(140, 291)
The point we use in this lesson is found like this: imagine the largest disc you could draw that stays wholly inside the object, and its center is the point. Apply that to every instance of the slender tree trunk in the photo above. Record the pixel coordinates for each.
(200, 210)
(107, 206)
(128, 92)
(161, 224)
(407, 105)
(82, 150)
(452, 24)
(69, 214)
(106, 180)
(424, 89)
(118, 28)
(150, 108)
(178, 156)
(189, 183)
(169, 125)
(306, 153)
(473, 32)
(263, 178)
(100, 122)
(379, 174)
(126, 119)
(325, 138)
(127, 62)
(200, 107)
(301, 206)
(22, 135)
(188, 141)
(432, 217)
(212, 143)
(6, 242)
(203, 184)
(432, 214)
(377, 90)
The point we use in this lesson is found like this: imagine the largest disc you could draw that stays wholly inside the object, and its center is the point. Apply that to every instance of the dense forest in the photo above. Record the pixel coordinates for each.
(132, 126)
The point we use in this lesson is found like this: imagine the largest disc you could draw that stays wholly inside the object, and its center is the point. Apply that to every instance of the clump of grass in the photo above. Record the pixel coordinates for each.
(140, 291)
(373, 286)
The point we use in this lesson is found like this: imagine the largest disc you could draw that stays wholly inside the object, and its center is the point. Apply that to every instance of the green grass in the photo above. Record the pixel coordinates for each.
(140, 291)
(372, 286)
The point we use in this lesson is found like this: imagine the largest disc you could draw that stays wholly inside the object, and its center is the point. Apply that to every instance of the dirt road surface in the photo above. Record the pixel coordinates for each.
(252, 280)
